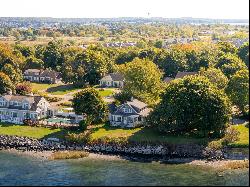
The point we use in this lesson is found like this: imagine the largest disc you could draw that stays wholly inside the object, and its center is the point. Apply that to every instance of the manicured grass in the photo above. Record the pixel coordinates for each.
(106, 92)
(244, 136)
(33, 132)
(140, 135)
(39, 86)
(54, 89)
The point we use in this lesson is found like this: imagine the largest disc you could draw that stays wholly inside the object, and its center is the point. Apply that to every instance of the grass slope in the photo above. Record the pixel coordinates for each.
(140, 135)
(244, 136)
(33, 132)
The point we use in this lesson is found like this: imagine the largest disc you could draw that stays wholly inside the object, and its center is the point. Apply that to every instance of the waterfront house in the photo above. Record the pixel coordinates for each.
(16, 108)
(115, 80)
(42, 76)
(130, 114)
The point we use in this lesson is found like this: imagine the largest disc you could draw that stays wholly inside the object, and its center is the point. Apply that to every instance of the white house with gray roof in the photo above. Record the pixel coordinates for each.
(115, 80)
(42, 76)
(16, 108)
(130, 114)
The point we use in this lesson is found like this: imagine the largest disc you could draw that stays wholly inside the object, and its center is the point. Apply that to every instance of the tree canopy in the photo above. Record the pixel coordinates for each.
(89, 103)
(143, 80)
(192, 104)
(238, 89)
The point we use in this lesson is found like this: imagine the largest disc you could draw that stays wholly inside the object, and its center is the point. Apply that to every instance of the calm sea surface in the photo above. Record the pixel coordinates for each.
(23, 170)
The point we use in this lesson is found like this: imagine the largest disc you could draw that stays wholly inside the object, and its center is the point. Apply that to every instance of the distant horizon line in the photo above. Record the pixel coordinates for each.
(245, 19)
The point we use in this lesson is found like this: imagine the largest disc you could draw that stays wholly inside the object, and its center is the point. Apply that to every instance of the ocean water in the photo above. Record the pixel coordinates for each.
(23, 170)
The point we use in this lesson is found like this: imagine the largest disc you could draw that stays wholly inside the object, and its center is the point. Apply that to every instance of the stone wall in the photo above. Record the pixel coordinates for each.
(166, 150)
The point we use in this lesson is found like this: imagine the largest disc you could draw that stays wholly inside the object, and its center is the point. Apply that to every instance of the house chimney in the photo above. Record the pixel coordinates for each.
(132, 98)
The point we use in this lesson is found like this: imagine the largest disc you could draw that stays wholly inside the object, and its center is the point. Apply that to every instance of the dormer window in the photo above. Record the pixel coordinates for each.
(127, 110)
(26, 106)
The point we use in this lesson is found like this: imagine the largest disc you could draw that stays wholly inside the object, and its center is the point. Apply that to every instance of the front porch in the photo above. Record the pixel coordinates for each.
(126, 121)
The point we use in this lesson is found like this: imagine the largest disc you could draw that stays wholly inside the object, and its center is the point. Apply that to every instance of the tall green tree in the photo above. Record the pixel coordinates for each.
(52, 55)
(230, 64)
(87, 67)
(238, 89)
(89, 103)
(189, 104)
(243, 53)
(215, 76)
(5, 83)
(14, 74)
(227, 47)
(143, 80)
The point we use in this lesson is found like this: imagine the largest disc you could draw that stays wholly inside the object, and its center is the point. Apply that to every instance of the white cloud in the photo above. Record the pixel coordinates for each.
(126, 8)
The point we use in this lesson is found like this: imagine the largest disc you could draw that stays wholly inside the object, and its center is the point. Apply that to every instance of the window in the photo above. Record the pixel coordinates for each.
(130, 120)
(2, 103)
(139, 118)
(26, 106)
(14, 114)
(119, 119)
(127, 110)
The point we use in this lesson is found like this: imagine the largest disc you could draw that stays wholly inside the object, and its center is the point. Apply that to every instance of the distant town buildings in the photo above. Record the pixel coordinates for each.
(120, 44)
(171, 41)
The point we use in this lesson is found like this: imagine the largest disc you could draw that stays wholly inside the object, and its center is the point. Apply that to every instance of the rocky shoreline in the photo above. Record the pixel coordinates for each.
(143, 153)
(217, 165)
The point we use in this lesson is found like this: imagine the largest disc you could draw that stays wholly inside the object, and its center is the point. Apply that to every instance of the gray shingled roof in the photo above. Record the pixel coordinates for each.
(34, 100)
(45, 73)
(168, 79)
(49, 73)
(32, 70)
(137, 104)
(113, 77)
(183, 74)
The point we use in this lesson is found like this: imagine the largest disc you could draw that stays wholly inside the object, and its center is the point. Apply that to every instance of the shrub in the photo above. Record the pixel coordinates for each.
(83, 125)
(69, 155)
(50, 99)
(78, 138)
(30, 122)
(231, 136)
(216, 145)
(23, 88)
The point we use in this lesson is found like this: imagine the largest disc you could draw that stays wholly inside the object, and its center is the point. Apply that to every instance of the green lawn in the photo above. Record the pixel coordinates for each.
(244, 136)
(54, 89)
(33, 132)
(141, 134)
(38, 86)
(106, 92)
(62, 89)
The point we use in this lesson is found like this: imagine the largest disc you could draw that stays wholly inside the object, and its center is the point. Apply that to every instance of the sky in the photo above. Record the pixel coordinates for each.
(217, 9)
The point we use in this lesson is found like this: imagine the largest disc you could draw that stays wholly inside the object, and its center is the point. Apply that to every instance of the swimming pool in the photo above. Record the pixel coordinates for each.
(58, 120)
